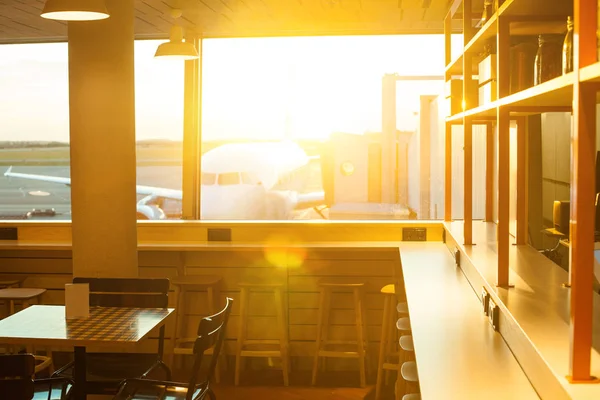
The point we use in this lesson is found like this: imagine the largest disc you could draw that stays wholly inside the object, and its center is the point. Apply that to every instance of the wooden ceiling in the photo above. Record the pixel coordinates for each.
(20, 20)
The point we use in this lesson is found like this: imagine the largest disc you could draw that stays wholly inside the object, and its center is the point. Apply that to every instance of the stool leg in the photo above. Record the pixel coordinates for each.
(174, 332)
(283, 342)
(241, 333)
(182, 326)
(210, 297)
(382, 346)
(392, 316)
(325, 332)
(319, 329)
(360, 339)
(363, 309)
(400, 383)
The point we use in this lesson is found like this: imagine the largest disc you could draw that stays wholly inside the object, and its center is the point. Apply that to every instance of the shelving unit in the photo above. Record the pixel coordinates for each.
(575, 92)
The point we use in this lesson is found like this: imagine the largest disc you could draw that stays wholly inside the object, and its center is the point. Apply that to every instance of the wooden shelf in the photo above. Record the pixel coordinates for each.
(518, 21)
(591, 73)
(557, 92)
(536, 7)
(455, 67)
(486, 110)
(488, 31)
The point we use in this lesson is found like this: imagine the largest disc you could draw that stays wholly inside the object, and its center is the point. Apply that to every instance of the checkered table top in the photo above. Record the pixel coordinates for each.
(105, 326)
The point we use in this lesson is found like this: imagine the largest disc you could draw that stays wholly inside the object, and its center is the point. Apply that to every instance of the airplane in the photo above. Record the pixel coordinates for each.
(239, 181)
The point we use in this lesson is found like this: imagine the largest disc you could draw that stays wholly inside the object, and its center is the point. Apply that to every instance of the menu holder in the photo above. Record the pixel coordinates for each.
(77, 300)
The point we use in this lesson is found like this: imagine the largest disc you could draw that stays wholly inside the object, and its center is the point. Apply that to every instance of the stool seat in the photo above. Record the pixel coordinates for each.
(20, 293)
(406, 343)
(260, 285)
(403, 324)
(6, 282)
(409, 371)
(402, 308)
(195, 280)
(412, 396)
(341, 285)
(388, 289)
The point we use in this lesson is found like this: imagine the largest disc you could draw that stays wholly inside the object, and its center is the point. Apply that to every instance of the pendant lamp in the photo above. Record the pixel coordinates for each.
(176, 48)
(75, 10)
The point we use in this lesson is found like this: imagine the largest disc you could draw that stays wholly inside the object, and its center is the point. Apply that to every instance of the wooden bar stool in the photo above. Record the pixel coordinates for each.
(326, 290)
(25, 295)
(7, 281)
(183, 285)
(243, 342)
(410, 374)
(408, 347)
(389, 342)
(403, 324)
(406, 343)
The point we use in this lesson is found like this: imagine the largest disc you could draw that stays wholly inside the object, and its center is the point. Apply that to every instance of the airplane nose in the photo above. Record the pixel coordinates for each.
(222, 202)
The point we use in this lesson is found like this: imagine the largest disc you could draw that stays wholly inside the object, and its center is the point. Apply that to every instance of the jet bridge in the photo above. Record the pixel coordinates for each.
(365, 176)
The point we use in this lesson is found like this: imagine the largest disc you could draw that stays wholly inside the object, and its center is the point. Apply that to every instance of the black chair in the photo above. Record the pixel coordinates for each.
(17, 383)
(105, 371)
(211, 332)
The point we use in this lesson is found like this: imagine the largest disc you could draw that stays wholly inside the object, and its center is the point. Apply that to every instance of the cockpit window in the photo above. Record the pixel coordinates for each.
(229, 178)
(208, 178)
(247, 179)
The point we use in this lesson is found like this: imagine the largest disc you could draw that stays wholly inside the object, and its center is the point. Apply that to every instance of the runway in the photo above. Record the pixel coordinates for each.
(17, 196)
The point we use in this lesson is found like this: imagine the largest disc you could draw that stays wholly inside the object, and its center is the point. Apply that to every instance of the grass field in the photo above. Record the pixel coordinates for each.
(148, 153)
(154, 155)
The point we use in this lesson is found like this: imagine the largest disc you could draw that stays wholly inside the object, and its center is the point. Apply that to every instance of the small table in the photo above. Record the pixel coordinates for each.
(106, 326)
(23, 294)
(11, 294)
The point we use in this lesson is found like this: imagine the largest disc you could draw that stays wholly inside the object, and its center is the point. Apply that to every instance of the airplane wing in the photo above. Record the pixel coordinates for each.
(140, 189)
(308, 200)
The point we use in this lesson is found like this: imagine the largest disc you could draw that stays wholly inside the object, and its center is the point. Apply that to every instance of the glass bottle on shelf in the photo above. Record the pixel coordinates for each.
(488, 10)
(539, 61)
(567, 50)
(547, 61)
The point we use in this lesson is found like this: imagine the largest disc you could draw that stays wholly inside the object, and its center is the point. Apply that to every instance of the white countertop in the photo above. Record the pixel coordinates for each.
(458, 354)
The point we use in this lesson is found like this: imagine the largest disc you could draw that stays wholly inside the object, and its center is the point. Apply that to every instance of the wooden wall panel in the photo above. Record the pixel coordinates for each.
(373, 266)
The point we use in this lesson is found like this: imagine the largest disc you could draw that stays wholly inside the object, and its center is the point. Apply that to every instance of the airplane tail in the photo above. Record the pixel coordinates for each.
(8, 171)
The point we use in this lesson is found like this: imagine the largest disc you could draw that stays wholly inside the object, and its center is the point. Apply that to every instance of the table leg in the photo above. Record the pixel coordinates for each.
(79, 374)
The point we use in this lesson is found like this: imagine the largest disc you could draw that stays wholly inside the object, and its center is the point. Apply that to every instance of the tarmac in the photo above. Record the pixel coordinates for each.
(18, 196)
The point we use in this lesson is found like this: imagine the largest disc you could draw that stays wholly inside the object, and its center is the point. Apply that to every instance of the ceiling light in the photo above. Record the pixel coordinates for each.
(75, 10)
(176, 48)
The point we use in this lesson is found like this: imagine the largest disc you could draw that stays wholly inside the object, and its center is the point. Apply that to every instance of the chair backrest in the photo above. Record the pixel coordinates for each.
(16, 376)
(127, 292)
(211, 333)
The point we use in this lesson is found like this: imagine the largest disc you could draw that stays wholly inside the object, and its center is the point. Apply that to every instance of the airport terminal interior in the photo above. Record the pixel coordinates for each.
(299, 199)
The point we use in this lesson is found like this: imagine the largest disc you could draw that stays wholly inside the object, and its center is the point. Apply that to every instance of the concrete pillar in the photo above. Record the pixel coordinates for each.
(102, 132)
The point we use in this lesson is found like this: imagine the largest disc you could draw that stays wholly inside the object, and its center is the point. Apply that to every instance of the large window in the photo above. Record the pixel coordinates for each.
(292, 128)
(302, 119)
(34, 133)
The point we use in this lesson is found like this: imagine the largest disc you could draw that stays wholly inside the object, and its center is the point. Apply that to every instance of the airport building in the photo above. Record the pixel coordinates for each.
(355, 199)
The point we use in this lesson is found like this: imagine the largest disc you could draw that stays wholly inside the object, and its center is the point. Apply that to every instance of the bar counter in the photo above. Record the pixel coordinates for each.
(458, 353)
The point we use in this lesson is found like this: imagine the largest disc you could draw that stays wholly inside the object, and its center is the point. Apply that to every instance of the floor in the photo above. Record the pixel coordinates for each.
(267, 385)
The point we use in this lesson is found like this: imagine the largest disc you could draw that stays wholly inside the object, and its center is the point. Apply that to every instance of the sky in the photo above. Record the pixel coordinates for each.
(301, 88)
